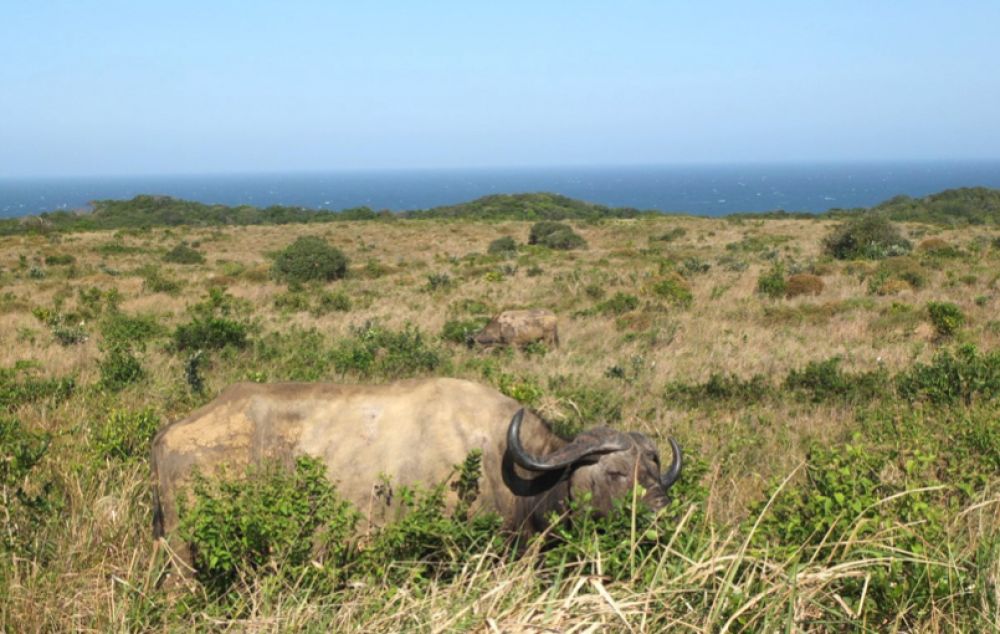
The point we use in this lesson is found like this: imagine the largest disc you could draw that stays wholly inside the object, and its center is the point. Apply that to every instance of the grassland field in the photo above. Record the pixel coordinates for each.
(663, 329)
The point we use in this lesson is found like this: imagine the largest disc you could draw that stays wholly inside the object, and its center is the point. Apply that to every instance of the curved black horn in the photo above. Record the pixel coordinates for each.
(585, 444)
(674, 471)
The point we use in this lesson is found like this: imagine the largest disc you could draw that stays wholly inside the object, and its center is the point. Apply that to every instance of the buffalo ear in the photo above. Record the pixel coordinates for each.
(589, 443)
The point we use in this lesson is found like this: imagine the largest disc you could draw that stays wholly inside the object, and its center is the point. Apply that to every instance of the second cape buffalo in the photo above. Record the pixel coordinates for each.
(407, 433)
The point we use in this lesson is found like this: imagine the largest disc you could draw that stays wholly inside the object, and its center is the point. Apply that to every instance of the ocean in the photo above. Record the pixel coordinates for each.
(706, 190)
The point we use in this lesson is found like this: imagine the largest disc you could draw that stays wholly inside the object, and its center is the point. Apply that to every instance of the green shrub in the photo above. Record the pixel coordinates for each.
(292, 302)
(59, 259)
(504, 246)
(328, 302)
(824, 381)
(184, 254)
(25, 508)
(555, 235)
(153, 281)
(19, 386)
(119, 327)
(293, 354)
(772, 283)
(213, 324)
(210, 333)
(126, 435)
(958, 377)
(618, 304)
(721, 389)
(523, 389)
(869, 236)
(271, 521)
(119, 368)
(374, 351)
(674, 290)
(946, 317)
(310, 258)
(462, 330)
(438, 282)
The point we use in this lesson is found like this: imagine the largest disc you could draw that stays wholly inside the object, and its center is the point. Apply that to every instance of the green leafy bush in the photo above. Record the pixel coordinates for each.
(721, 389)
(126, 435)
(19, 386)
(772, 283)
(271, 521)
(59, 259)
(946, 317)
(374, 351)
(674, 290)
(310, 258)
(119, 327)
(870, 236)
(327, 302)
(213, 324)
(154, 281)
(25, 508)
(824, 381)
(462, 330)
(555, 235)
(504, 246)
(119, 367)
(184, 254)
(438, 282)
(618, 304)
(959, 377)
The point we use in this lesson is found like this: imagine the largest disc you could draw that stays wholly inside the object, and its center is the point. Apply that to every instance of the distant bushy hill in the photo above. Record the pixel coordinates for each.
(971, 205)
(536, 206)
(966, 205)
(165, 211)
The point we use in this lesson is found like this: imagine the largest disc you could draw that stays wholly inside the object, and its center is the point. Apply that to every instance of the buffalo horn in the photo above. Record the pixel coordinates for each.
(584, 445)
(674, 470)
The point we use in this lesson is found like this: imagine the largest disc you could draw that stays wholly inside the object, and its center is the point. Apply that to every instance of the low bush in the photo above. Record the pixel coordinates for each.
(327, 302)
(675, 290)
(893, 271)
(938, 247)
(119, 367)
(462, 330)
(721, 389)
(126, 435)
(870, 236)
(307, 259)
(154, 281)
(118, 327)
(555, 235)
(960, 377)
(618, 304)
(505, 246)
(946, 317)
(823, 381)
(269, 522)
(803, 284)
(184, 254)
(59, 259)
(772, 283)
(26, 508)
(670, 236)
(19, 386)
(214, 324)
(374, 351)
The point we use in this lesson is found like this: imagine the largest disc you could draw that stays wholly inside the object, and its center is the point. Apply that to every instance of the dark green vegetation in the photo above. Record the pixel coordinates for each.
(954, 206)
(309, 259)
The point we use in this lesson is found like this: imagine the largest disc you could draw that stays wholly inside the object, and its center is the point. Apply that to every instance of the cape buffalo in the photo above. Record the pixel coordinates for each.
(519, 328)
(406, 433)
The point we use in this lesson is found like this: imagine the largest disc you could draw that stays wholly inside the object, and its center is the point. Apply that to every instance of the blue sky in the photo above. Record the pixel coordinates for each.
(109, 87)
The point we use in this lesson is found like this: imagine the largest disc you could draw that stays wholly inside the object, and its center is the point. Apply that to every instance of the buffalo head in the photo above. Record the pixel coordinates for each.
(604, 462)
